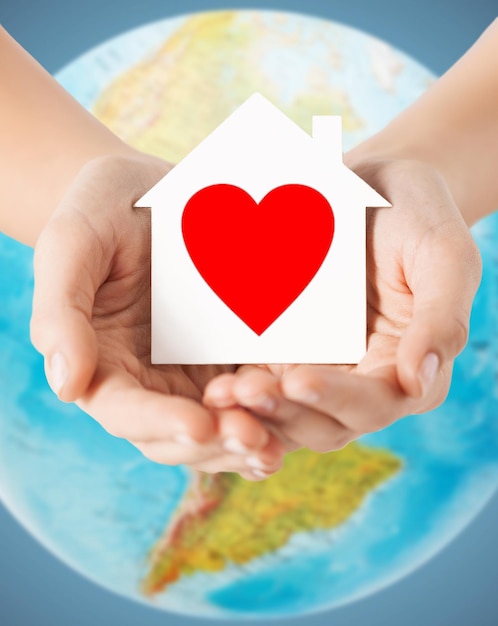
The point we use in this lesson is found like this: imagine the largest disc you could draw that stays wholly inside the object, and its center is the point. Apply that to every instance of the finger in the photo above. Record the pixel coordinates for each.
(444, 280)
(240, 438)
(218, 392)
(241, 432)
(66, 265)
(258, 389)
(185, 453)
(261, 391)
(256, 466)
(269, 459)
(359, 403)
(126, 410)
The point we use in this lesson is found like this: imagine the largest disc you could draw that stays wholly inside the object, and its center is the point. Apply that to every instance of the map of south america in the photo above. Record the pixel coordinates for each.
(224, 519)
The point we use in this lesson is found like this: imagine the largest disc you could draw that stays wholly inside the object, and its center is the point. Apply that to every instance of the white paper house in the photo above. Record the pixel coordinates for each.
(258, 149)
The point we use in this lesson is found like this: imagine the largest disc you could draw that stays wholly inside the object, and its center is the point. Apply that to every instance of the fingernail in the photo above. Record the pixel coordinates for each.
(255, 462)
(232, 444)
(259, 474)
(185, 440)
(57, 372)
(428, 371)
(266, 403)
(219, 400)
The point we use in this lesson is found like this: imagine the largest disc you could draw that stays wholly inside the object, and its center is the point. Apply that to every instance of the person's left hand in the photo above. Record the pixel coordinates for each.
(423, 269)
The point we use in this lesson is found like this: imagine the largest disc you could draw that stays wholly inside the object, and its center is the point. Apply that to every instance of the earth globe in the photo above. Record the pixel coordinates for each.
(327, 529)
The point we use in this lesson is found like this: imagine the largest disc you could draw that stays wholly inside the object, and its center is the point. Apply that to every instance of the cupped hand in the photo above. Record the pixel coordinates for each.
(423, 270)
(91, 322)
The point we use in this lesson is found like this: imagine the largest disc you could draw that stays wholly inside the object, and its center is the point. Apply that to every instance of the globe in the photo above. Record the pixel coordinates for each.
(327, 529)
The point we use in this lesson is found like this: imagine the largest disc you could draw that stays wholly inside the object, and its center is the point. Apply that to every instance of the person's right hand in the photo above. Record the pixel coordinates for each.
(91, 322)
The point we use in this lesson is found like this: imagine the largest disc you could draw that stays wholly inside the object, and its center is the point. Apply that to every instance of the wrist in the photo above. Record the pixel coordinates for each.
(394, 145)
(59, 173)
(121, 176)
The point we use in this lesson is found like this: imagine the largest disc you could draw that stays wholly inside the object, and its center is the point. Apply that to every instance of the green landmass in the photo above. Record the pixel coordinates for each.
(226, 519)
(168, 103)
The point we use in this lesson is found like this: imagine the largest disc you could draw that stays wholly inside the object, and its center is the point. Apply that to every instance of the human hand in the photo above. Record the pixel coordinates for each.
(423, 269)
(91, 322)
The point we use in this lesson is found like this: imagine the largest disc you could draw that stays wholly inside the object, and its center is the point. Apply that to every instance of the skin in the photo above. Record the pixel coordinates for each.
(91, 313)
(423, 269)
(91, 321)
(436, 163)
(46, 144)
(453, 127)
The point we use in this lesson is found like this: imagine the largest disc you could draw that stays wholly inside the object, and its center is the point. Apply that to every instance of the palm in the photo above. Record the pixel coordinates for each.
(169, 396)
(422, 272)
(96, 307)
(389, 299)
(423, 227)
(121, 318)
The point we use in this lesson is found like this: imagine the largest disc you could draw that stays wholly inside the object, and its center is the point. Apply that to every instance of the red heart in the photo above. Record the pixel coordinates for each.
(258, 258)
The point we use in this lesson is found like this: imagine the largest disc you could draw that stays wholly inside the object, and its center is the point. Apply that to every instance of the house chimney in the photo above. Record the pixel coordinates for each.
(327, 130)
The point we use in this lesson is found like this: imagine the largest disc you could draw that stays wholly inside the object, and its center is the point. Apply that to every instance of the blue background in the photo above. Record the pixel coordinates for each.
(459, 586)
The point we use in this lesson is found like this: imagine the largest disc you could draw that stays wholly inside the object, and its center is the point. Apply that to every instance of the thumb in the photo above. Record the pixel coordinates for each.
(444, 280)
(66, 266)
